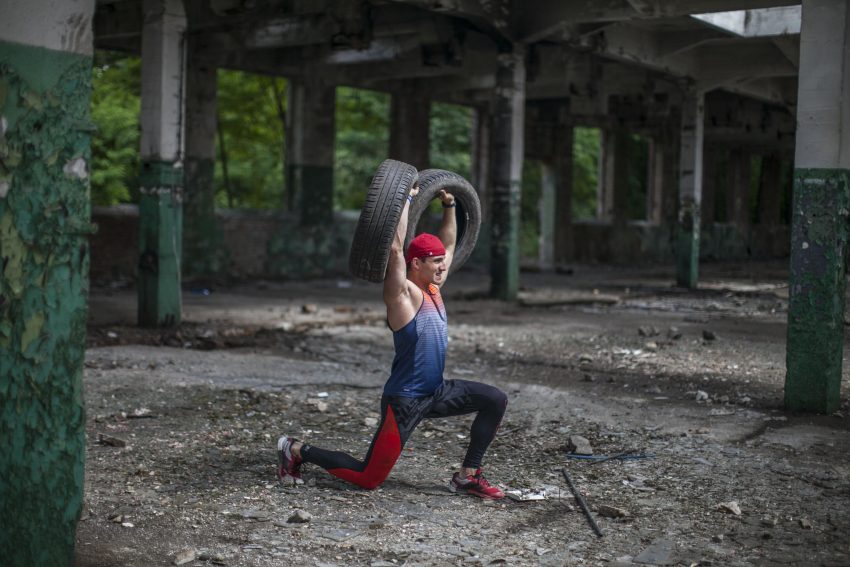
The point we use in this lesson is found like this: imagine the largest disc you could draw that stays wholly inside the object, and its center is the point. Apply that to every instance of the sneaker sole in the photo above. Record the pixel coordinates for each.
(460, 490)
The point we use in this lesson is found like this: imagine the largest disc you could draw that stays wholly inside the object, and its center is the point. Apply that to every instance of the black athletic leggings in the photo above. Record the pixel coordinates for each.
(400, 416)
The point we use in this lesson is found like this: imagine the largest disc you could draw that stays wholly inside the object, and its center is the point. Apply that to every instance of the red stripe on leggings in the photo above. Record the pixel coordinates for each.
(385, 452)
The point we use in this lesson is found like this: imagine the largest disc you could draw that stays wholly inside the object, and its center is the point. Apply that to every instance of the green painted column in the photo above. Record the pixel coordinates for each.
(506, 157)
(45, 137)
(690, 190)
(161, 177)
(160, 238)
(310, 150)
(817, 282)
(819, 229)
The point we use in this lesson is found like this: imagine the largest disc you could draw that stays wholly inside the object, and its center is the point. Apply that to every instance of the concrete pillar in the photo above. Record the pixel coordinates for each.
(161, 178)
(410, 125)
(605, 184)
(613, 195)
(711, 161)
(546, 211)
(670, 147)
(620, 181)
(655, 181)
(310, 150)
(506, 135)
(203, 249)
(770, 190)
(690, 190)
(45, 138)
(563, 205)
(738, 191)
(819, 230)
(480, 152)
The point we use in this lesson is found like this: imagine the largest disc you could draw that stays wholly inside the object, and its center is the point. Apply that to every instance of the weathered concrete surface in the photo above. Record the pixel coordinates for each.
(197, 474)
(44, 222)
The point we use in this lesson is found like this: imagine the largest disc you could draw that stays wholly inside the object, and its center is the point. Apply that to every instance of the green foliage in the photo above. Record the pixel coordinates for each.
(450, 140)
(362, 143)
(250, 143)
(585, 172)
(116, 83)
(529, 223)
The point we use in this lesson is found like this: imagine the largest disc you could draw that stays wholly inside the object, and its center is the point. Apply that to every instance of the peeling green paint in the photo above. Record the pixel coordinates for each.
(819, 237)
(160, 244)
(44, 104)
(687, 243)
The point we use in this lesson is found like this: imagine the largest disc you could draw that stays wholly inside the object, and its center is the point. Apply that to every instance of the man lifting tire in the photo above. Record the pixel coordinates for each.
(415, 389)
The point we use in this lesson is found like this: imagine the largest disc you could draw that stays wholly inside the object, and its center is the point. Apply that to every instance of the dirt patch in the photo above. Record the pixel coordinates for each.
(688, 385)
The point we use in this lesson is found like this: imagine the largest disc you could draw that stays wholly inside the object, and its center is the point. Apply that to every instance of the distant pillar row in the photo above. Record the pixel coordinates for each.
(563, 172)
(310, 149)
(45, 221)
(690, 190)
(819, 229)
(161, 179)
(507, 153)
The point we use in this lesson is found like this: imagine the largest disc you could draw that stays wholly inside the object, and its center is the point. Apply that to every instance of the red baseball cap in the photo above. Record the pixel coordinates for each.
(423, 246)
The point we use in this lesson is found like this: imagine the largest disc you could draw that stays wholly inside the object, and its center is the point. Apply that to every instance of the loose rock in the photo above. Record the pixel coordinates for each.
(299, 517)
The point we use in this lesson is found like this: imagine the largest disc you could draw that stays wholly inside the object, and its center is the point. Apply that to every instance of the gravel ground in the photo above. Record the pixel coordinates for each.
(182, 426)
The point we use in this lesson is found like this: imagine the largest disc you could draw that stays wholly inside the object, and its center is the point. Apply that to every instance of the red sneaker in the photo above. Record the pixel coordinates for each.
(288, 465)
(476, 485)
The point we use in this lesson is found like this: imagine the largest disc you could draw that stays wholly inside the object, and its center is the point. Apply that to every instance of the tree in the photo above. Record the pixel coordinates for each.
(362, 143)
(116, 84)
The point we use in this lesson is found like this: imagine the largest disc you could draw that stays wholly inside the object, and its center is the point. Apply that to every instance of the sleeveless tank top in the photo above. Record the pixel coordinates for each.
(420, 350)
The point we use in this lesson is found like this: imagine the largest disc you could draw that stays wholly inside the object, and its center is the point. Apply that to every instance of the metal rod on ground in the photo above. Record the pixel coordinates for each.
(582, 503)
(617, 456)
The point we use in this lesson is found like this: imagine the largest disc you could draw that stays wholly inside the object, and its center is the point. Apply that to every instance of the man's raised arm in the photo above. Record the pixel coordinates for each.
(448, 230)
(396, 293)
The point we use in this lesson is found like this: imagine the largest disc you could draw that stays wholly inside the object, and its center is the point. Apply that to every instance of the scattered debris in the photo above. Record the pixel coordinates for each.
(185, 556)
(611, 511)
(730, 507)
(579, 445)
(582, 503)
(299, 517)
(110, 441)
(658, 553)
(525, 494)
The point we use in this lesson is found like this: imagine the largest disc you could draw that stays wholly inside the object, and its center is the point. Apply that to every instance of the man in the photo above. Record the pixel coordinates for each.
(416, 388)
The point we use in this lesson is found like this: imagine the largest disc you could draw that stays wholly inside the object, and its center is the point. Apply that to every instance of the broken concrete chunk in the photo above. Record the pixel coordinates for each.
(658, 553)
(110, 441)
(185, 556)
(579, 445)
(309, 308)
(612, 512)
(674, 334)
(299, 517)
(647, 331)
(730, 507)
(708, 335)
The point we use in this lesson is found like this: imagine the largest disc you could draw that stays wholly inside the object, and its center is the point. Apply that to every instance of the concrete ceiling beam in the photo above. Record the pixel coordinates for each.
(540, 19)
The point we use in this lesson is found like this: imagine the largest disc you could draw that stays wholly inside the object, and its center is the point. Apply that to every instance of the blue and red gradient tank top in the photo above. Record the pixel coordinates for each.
(420, 350)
